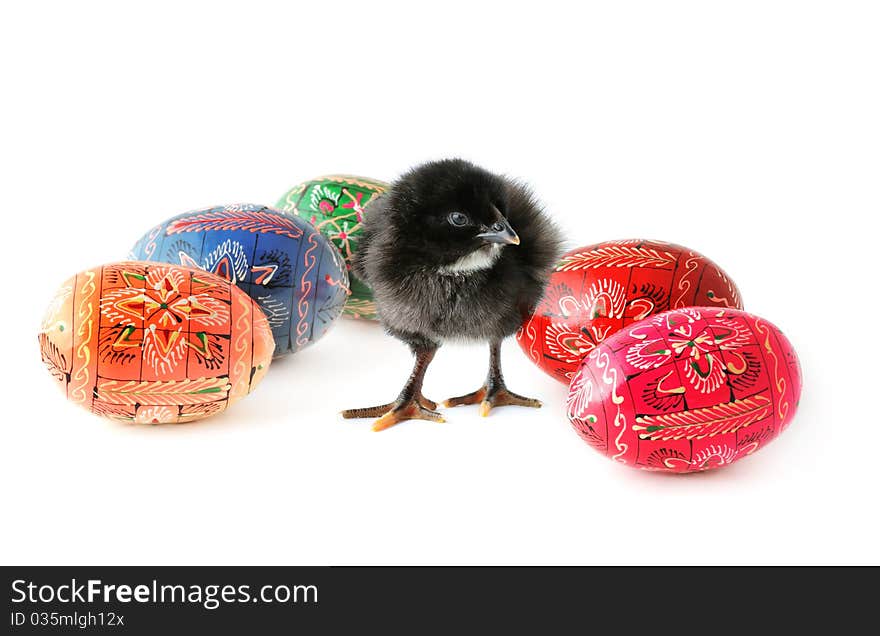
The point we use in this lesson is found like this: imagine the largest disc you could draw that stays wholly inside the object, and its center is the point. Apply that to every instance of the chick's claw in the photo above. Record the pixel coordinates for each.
(382, 409)
(418, 408)
(471, 398)
(411, 410)
(368, 411)
(503, 397)
(489, 398)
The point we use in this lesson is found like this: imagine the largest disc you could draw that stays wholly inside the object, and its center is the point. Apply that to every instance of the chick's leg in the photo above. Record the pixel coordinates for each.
(410, 404)
(493, 392)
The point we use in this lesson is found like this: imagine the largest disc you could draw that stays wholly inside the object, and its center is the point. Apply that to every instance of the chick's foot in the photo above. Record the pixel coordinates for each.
(418, 408)
(402, 412)
(490, 396)
(376, 411)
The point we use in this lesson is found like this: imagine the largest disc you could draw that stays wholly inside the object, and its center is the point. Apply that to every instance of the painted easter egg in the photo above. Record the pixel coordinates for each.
(290, 270)
(596, 290)
(336, 206)
(154, 343)
(686, 390)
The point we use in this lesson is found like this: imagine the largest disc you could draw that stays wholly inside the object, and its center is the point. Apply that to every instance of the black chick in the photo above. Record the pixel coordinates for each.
(453, 252)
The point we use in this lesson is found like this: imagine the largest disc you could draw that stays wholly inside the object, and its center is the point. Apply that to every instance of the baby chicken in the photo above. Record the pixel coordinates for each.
(453, 252)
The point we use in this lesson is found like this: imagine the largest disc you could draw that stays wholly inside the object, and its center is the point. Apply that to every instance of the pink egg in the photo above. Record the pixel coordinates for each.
(686, 390)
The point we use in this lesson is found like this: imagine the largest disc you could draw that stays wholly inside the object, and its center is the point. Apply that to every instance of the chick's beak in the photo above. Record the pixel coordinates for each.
(500, 232)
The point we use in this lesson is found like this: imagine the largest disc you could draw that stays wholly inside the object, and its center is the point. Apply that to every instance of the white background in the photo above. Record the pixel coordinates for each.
(748, 131)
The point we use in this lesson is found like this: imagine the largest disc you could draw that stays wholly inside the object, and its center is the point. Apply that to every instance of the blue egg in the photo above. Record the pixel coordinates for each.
(296, 276)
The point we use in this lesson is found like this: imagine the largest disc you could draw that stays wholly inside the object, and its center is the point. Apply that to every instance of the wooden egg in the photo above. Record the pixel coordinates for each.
(596, 290)
(686, 390)
(290, 270)
(154, 343)
(336, 205)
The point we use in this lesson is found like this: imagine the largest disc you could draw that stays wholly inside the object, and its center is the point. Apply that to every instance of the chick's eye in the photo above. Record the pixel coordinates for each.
(458, 219)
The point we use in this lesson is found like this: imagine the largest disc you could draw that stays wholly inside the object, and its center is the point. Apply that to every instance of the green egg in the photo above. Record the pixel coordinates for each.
(337, 205)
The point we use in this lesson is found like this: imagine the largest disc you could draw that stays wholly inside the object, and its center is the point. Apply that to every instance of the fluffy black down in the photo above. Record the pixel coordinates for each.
(398, 258)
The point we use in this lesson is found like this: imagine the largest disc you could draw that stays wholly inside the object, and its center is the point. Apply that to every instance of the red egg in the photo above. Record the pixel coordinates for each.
(686, 390)
(599, 289)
